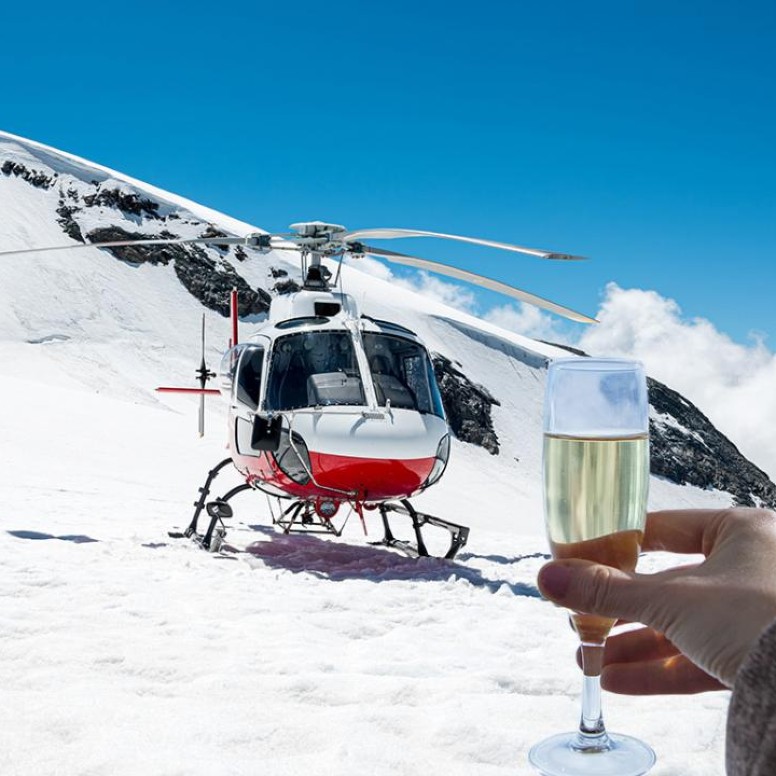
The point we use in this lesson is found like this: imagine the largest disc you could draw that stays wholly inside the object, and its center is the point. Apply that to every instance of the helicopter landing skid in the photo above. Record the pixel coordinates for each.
(302, 517)
(459, 534)
(218, 510)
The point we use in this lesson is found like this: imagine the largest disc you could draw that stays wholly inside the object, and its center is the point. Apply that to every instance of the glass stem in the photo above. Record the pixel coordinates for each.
(591, 736)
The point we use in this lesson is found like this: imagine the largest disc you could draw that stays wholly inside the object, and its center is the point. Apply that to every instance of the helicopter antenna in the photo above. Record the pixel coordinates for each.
(337, 277)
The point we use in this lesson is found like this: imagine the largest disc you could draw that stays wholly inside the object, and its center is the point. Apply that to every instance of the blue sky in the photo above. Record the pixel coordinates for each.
(639, 134)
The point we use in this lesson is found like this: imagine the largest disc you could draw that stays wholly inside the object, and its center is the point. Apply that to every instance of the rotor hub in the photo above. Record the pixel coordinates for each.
(317, 229)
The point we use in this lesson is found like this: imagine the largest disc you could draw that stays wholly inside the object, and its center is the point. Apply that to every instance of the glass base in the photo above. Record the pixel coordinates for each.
(560, 756)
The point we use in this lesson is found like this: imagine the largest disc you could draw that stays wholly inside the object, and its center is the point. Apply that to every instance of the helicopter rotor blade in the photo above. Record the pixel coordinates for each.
(479, 280)
(391, 234)
(244, 241)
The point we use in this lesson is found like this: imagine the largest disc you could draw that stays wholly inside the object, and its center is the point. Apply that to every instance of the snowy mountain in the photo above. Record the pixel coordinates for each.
(125, 652)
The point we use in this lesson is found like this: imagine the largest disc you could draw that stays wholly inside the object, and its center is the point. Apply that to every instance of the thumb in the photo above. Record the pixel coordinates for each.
(595, 589)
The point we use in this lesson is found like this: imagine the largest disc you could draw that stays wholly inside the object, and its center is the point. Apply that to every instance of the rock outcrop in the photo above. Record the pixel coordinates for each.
(466, 404)
(687, 449)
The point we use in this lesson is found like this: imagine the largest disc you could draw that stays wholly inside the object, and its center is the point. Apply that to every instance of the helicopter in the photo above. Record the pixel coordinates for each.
(329, 408)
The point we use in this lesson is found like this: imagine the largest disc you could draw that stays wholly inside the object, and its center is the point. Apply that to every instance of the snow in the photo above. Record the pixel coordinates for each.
(123, 651)
(665, 420)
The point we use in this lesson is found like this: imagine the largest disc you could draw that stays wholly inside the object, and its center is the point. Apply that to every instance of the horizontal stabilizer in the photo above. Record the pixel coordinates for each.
(165, 389)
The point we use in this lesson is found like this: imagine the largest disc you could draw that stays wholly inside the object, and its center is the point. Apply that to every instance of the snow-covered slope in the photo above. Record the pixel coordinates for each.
(124, 652)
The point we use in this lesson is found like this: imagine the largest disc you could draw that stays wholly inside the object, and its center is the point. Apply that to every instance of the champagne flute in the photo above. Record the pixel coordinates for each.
(596, 477)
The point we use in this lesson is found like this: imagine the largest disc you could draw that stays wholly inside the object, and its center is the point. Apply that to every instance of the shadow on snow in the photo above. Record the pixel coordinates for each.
(338, 561)
(38, 536)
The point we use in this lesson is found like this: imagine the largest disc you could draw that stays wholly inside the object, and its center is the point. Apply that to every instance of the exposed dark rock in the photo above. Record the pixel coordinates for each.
(698, 454)
(286, 287)
(239, 253)
(210, 233)
(125, 202)
(33, 177)
(276, 272)
(67, 222)
(139, 254)
(208, 281)
(467, 405)
(201, 276)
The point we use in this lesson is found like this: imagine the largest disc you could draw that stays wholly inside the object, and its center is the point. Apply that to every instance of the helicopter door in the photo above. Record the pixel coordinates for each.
(253, 432)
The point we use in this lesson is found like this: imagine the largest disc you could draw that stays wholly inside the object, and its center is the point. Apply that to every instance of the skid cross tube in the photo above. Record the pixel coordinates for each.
(300, 517)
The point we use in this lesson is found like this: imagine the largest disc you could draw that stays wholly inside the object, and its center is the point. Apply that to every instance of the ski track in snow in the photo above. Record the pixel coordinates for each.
(123, 651)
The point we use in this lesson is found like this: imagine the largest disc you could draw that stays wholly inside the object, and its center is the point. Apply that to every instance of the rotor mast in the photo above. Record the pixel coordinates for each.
(317, 239)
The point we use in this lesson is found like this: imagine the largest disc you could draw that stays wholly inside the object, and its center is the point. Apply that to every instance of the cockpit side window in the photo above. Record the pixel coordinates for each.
(402, 374)
(249, 372)
(314, 368)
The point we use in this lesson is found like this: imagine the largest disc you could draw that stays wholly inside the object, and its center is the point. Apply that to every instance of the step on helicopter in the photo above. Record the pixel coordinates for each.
(331, 410)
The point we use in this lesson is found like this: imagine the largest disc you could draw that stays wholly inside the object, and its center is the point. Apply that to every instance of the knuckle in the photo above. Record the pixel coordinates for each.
(599, 590)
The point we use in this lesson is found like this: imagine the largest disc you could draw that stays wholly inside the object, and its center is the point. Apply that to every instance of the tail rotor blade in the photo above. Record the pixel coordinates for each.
(202, 365)
(203, 375)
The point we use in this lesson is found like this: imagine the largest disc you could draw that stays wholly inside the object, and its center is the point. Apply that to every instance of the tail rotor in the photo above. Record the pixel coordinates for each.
(203, 375)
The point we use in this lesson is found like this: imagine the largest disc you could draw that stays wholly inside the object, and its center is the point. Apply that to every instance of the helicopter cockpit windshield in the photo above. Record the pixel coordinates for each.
(402, 374)
(320, 368)
(314, 368)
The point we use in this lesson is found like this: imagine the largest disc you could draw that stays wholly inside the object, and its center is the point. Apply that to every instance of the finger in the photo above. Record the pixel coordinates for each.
(589, 587)
(638, 645)
(675, 675)
(681, 530)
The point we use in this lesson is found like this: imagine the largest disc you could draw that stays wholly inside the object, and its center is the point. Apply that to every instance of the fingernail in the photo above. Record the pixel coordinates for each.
(554, 580)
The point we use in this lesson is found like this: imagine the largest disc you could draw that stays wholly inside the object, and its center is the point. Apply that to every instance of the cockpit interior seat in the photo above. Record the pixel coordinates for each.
(334, 388)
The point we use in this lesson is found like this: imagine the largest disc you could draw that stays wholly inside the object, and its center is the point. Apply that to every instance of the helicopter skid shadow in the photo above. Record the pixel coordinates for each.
(337, 562)
(38, 536)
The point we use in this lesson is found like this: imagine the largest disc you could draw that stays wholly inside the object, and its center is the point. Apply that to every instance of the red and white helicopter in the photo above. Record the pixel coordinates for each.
(328, 407)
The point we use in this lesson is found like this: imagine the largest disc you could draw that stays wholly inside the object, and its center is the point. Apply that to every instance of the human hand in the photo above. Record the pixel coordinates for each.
(701, 621)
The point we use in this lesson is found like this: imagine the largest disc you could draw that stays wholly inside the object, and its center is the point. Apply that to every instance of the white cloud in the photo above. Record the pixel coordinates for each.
(448, 293)
(527, 320)
(734, 385)
(425, 283)
(370, 266)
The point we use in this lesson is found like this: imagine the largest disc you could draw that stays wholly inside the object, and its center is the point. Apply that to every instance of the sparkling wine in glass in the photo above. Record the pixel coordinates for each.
(596, 477)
